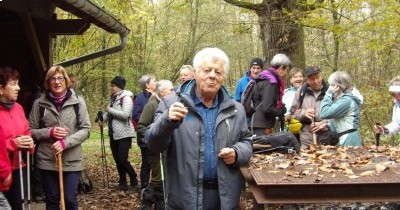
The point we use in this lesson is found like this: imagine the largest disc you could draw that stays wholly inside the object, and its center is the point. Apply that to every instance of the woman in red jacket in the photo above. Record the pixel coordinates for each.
(14, 128)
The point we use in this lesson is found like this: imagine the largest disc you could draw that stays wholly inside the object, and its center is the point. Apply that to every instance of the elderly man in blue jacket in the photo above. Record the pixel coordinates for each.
(204, 136)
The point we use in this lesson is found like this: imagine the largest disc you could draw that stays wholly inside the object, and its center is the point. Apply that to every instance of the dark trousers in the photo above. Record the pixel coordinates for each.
(51, 184)
(36, 183)
(120, 150)
(145, 167)
(211, 199)
(36, 180)
(14, 193)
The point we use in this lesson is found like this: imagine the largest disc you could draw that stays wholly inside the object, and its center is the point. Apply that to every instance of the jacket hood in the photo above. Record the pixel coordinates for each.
(247, 74)
(357, 94)
(355, 97)
(126, 93)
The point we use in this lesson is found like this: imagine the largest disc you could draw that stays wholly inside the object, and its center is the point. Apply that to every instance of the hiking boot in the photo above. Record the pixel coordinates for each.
(122, 187)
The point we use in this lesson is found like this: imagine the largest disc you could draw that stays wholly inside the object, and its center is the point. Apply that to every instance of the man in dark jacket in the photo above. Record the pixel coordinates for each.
(205, 138)
(148, 85)
(256, 66)
(268, 93)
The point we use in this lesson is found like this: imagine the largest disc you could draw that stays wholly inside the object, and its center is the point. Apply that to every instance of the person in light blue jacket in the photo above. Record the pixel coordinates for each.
(342, 107)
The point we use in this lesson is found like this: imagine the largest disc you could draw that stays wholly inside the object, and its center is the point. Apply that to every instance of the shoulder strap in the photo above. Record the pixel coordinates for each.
(41, 115)
(76, 109)
(303, 90)
(121, 101)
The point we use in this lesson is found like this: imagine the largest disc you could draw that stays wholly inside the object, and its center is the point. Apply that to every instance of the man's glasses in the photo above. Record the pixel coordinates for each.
(395, 94)
(54, 79)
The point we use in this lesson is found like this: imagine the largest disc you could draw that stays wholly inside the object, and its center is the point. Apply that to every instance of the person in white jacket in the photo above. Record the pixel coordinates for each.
(394, 126)
(121, 132)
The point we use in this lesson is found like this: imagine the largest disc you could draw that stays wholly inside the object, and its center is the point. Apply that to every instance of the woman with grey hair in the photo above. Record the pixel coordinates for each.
(268, 93)
(148, 85)
(342, 107)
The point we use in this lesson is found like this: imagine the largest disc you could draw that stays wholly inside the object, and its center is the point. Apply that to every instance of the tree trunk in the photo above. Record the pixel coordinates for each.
(279, 34)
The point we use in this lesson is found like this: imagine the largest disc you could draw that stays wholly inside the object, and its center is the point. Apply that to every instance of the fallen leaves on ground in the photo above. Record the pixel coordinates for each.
(331, 161)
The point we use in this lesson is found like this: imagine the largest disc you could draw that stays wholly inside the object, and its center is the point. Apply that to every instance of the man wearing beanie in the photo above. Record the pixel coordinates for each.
(256, 66)
(121, 132)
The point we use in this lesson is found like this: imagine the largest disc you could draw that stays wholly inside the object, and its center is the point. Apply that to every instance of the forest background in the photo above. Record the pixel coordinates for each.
(360, 37)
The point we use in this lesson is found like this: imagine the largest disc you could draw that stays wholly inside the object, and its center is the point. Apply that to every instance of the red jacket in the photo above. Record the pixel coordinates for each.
(5, 165)
(13, 123)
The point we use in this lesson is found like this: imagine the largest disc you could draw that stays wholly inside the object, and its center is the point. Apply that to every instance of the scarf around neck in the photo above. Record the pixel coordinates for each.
(58, 100)
(272, 76)
(7, 104)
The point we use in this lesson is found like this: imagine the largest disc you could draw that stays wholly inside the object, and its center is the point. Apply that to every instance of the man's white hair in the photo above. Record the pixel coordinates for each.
(210, 54)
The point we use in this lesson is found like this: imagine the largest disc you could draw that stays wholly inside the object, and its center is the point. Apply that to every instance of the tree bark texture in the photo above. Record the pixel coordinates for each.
(278, 32)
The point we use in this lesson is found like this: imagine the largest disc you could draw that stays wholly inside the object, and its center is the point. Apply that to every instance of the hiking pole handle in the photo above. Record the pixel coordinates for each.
(99, 117)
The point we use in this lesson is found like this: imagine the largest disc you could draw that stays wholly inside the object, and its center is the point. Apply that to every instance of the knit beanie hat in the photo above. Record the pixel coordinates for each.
(119, 82)
(257, 61)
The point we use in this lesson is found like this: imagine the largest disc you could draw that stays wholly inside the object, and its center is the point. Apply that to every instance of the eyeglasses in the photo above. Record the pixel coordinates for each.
(54, 79)
(395, 94)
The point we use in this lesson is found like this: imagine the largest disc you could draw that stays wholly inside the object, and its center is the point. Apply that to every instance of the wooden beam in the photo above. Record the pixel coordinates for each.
(51, 27)
(33, 40)
(62, 27)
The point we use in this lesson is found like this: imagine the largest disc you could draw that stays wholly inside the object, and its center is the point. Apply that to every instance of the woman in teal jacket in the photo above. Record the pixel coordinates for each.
(342, 108)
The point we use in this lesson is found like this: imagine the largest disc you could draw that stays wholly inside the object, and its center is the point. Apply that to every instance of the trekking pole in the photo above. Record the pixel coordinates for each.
(61, 181)
(282, 119)
(314, 135)
(28, 172)
(162, 179)
(99, 118)
(377, 136)
(104, 157)
(21, 178)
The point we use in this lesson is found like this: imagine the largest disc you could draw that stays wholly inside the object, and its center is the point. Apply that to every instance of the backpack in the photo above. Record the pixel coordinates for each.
(246, 98)
(282, 142)
(85, 185)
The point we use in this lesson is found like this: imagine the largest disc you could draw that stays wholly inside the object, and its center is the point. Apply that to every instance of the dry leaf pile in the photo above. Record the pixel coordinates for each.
(103, 198)
(329, 164)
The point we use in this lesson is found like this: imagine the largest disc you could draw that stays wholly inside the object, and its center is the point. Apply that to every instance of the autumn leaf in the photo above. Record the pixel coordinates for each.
(367, 173)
